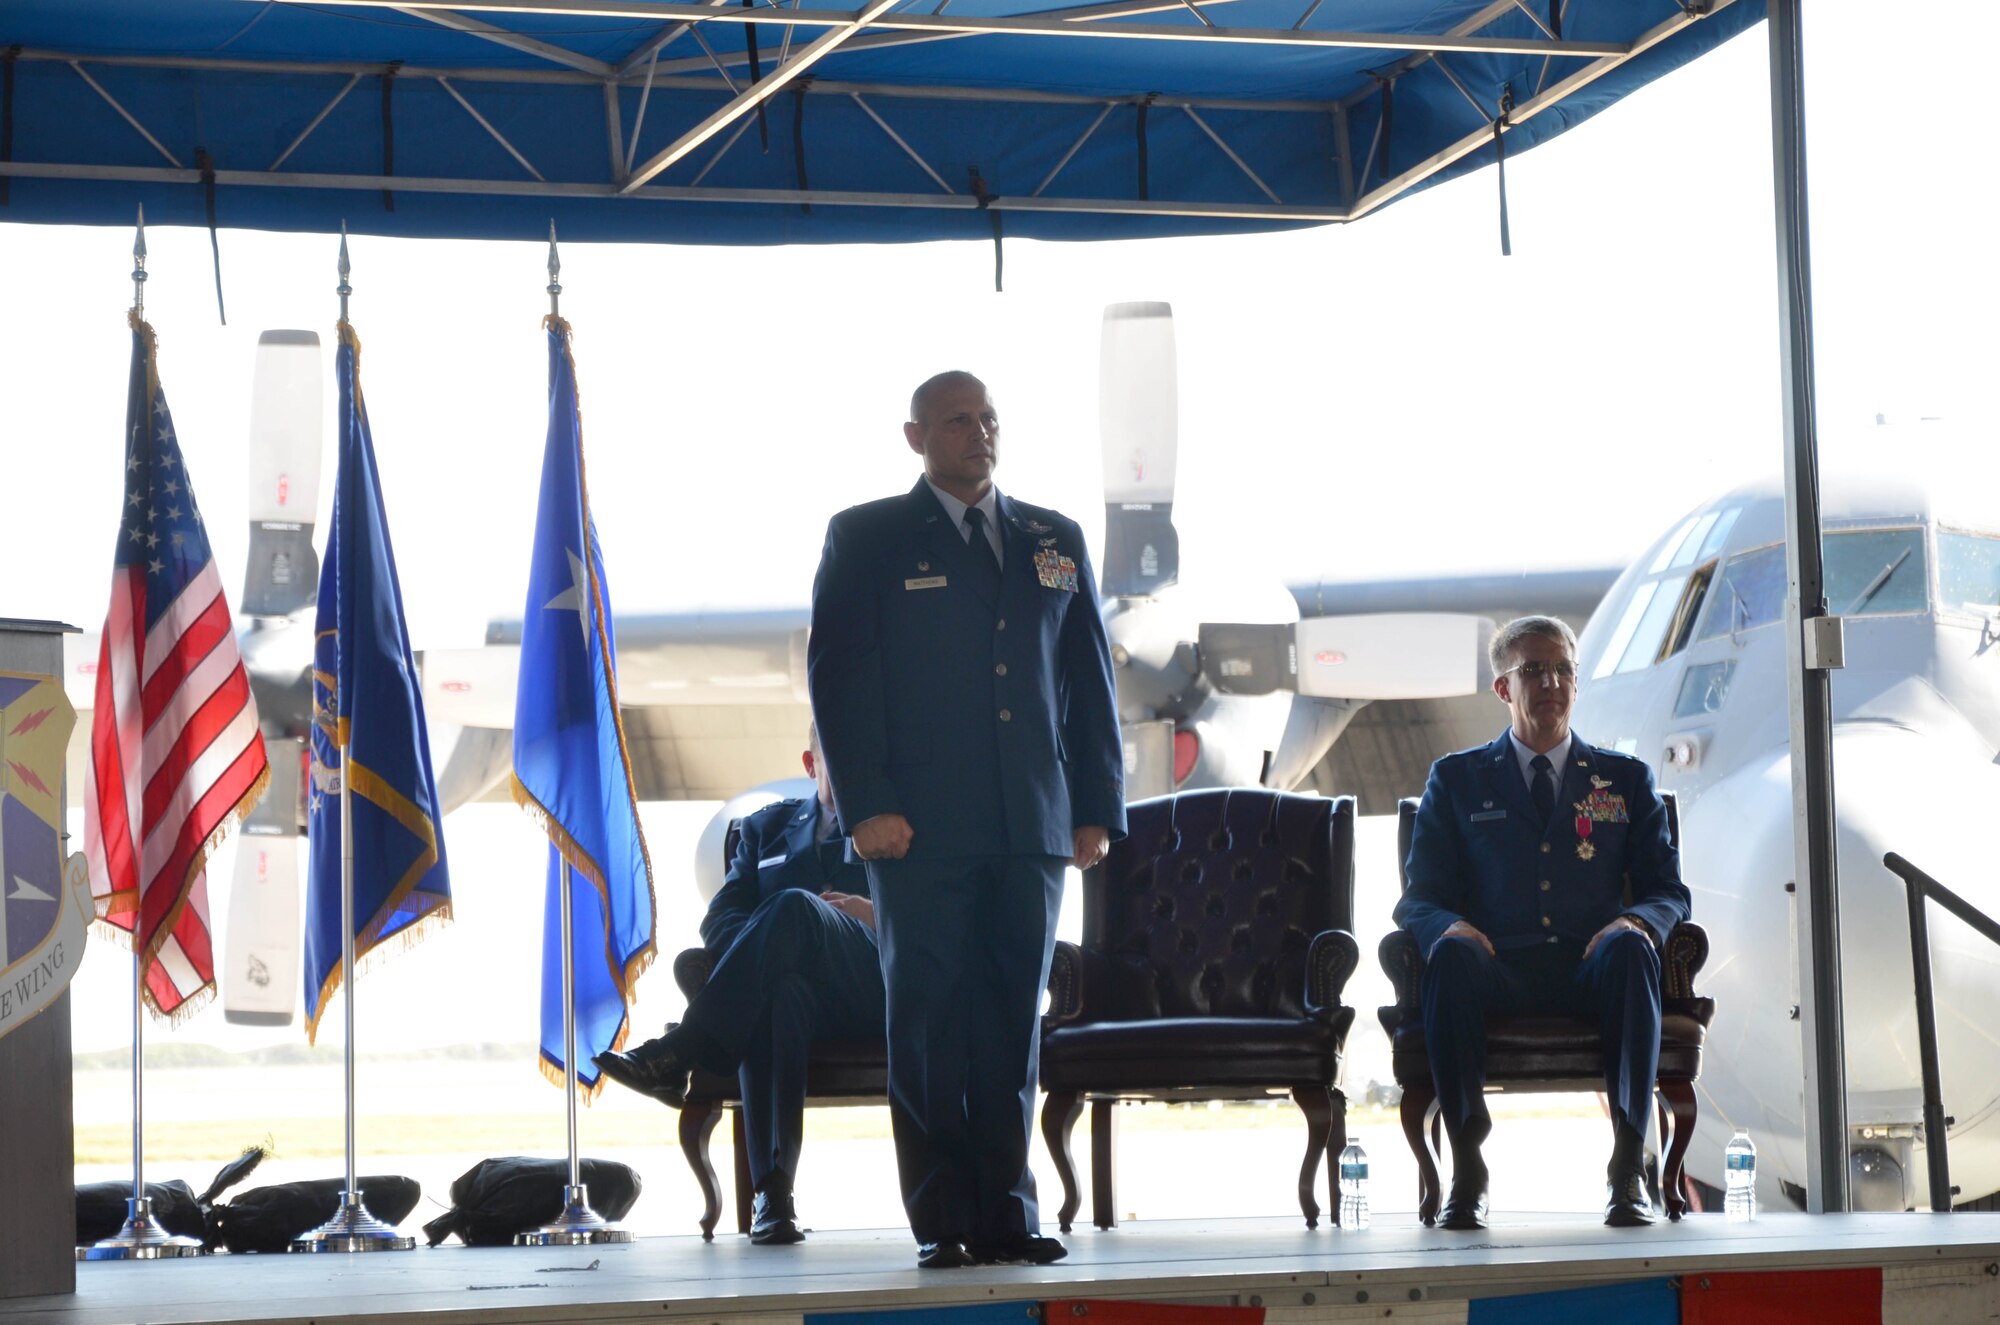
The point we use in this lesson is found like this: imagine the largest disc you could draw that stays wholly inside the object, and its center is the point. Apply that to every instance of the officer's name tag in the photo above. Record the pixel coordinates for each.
(772, 862)
(928, 582)
(1485, 816)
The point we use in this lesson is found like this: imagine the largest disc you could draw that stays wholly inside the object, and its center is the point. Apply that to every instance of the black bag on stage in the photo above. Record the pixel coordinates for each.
(268, 1218)
(497, 1198)
(101, 1209)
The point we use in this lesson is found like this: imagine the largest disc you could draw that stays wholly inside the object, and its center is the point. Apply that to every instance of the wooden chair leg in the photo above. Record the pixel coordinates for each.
(1419, 1104)
(1316, 1102)
(1103, 1142)
(1059, 1116)
(1679, 1097)
(697, 1125)
(741, 1132)
(1336, 1141)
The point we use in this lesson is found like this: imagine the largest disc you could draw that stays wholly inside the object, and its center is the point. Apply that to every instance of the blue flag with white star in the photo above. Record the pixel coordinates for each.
(368, 728)
(571, 771)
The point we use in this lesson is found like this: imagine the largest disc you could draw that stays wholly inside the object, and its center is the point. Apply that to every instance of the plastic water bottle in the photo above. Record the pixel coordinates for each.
(1353, 1187)
(1739, 1162)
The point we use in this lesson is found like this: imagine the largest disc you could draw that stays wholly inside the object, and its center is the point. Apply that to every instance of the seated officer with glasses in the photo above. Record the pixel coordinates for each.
(1542, 881)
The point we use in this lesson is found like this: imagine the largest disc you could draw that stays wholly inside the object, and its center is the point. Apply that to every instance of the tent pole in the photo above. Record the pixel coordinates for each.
(1811, 647)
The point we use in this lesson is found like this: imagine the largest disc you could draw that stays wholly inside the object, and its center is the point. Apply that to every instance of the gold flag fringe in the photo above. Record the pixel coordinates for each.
(624, 973)
(433, 909)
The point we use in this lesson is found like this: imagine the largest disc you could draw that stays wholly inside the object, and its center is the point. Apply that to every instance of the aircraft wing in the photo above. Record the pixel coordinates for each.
(1570, 593)
(1387, 749)
(713, 701)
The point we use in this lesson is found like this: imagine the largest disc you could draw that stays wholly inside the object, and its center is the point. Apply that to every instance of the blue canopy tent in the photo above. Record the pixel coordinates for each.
(761, 122)
(765, 122)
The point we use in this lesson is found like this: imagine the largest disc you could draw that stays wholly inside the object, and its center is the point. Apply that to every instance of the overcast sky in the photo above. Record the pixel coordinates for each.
(1383, 399)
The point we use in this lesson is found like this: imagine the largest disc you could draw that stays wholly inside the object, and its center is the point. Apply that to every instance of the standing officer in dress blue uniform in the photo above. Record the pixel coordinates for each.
(961, 679)
(792, 935)
(1542, 880)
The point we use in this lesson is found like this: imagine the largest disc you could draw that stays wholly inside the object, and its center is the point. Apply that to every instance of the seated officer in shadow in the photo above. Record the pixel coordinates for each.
(1542, 881)
(792, 931)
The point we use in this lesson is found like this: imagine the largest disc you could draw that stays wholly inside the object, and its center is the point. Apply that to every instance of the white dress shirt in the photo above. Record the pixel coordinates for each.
(1558, 757)
(956, 509)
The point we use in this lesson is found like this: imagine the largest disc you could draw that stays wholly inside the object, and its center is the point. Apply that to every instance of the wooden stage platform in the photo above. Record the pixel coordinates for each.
(1297, 1275)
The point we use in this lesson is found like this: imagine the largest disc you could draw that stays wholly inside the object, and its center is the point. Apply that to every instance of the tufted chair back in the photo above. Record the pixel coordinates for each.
(1206, 907)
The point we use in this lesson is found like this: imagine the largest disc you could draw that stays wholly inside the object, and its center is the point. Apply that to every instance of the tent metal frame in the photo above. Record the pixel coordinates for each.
(874, 24)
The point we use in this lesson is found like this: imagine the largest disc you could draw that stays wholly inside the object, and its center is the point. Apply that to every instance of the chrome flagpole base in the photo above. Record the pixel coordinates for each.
(578, 1225)
(352, 1228)
(142, 1239)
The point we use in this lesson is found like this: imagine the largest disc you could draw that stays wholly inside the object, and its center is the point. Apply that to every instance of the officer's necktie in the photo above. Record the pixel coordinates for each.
(1543, 789)
(981, 545)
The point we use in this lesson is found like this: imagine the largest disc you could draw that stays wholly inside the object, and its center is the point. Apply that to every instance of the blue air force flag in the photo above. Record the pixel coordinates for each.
(571, 771)
(368, 727)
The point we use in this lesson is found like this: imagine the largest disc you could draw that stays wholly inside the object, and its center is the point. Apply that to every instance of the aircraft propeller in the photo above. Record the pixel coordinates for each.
(259, 969)
(1222, 703)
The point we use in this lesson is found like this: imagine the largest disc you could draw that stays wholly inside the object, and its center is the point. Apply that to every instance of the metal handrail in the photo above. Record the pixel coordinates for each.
(1919, 886)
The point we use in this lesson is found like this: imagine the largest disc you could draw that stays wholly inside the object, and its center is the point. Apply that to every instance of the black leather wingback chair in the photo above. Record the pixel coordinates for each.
(1536, 1054)
(837, 1072)
(1216, 944)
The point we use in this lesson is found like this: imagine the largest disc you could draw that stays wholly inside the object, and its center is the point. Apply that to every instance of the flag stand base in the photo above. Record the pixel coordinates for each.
(141, 1239)
(578, 1225)
(352, 1228)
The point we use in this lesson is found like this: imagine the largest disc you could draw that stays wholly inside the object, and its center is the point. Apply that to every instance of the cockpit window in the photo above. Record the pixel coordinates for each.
(1719, 534)
(1644, 649)
(1968, 573)
(1751, 594)
(1671, 546)
(1698, 536)
(1873, 571)
(1704, 688)
(1614, 649)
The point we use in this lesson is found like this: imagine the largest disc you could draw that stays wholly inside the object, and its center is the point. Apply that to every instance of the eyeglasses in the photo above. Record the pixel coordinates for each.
(1545, 673)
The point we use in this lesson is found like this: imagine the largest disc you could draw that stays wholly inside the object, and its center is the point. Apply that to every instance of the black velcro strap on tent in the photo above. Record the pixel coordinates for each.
(1500, 155)
(1388, 86)
(756, 76)
(8, 59)
(389, 130)
(206, 165)
(1556, 19)
(497, 1198)
(1145, 183)
(799, 137)
(986, 197)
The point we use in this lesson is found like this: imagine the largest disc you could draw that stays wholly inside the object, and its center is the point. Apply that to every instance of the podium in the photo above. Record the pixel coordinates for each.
(37, 1136)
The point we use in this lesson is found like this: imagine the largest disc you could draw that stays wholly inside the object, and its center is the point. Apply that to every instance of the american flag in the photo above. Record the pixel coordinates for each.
(175, 755)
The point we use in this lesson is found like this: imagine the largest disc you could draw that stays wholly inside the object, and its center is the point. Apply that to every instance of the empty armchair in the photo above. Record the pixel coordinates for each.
(1216, 943)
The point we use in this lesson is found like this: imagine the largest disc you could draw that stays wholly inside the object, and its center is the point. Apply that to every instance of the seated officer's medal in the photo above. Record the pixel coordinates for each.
(1585, 848)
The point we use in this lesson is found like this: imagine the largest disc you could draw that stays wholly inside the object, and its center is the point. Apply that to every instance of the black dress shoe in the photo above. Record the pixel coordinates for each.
(1627, 1206)
(943, 1256)
(651, 1068)
(1019, 1249)
(1465, 1209)
(774, 1220)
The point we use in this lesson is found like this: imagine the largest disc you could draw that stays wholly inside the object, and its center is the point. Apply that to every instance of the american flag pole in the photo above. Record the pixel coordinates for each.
(141, 1237)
